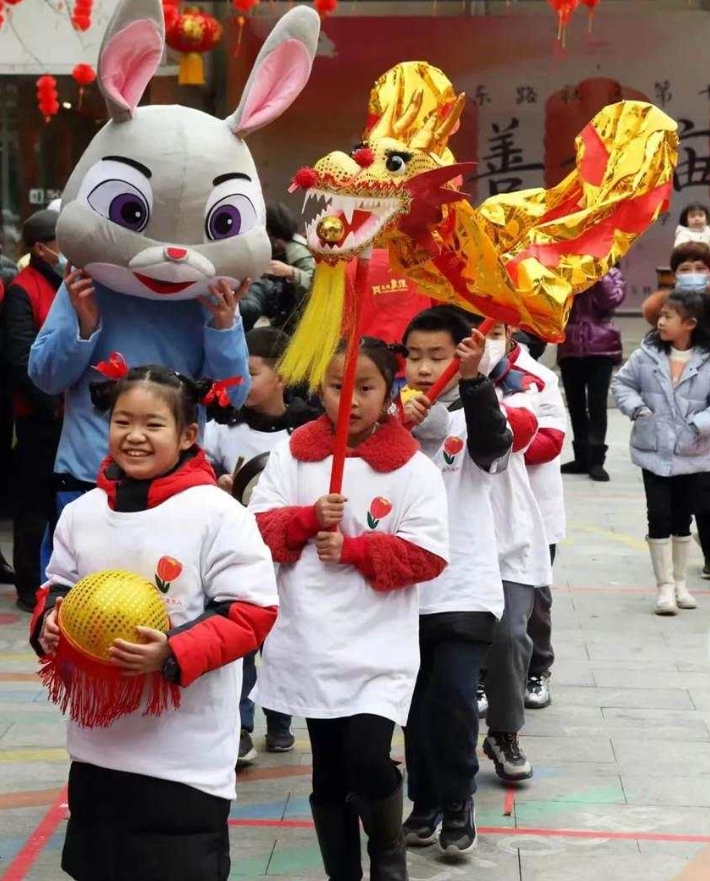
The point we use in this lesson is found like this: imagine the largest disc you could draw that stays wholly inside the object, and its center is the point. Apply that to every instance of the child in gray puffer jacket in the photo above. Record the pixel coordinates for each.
(664, 388)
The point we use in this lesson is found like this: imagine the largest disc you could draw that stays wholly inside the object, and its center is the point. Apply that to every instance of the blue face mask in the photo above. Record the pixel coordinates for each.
(60, 266)
(692, 281)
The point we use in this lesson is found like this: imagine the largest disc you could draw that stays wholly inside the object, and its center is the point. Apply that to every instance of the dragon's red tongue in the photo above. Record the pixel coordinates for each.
(360, 218)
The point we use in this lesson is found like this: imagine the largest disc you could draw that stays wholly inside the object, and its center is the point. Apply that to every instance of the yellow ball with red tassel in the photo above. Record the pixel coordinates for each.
(81, 679)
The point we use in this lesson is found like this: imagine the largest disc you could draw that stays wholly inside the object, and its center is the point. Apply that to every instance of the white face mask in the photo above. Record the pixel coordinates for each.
(495, 350)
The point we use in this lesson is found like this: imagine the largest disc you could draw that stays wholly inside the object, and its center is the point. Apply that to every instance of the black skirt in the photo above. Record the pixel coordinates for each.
(129, 827)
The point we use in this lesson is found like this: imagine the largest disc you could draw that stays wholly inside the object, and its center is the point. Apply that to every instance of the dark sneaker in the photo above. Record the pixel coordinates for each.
(481, 700)
(279, 741)
(537, 692)
(458, 828)
(247, 753)
(421, 826)
(706, 570)
(26, 604)
(504, 750)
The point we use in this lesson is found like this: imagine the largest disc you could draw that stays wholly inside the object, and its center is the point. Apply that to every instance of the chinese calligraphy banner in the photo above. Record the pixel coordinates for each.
(527, 100)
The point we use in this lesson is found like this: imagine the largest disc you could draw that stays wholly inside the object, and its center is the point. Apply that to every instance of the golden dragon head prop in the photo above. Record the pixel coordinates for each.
(519, 257)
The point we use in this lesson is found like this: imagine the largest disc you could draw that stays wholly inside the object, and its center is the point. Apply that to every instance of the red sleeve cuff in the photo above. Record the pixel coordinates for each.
(302, 527)
(354, 551)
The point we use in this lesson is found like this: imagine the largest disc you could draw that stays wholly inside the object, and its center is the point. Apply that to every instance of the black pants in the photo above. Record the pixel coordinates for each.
(442, 730)
(586, 382)
(669, 504)
(540, 628)
(37, 441)
(352, 755)
(129, 827)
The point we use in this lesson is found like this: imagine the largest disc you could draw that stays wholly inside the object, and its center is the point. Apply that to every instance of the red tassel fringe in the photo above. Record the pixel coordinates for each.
(95, 694)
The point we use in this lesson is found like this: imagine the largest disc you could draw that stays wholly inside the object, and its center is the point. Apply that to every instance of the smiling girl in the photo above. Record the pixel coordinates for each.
(344, 653)
(149, 795)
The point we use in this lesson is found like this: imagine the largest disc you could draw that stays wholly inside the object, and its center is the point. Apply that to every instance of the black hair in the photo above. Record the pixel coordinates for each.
(694, 206)
(280, 222)
(387, 358)
(690, 251)
(688, 304)
(268, 343)
(448, 319)
(180, 393)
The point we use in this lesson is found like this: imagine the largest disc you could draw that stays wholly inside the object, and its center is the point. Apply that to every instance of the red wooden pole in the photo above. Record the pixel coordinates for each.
(485, 327)
(346, 394)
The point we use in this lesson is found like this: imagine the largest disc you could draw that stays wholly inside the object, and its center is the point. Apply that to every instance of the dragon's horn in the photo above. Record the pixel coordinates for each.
(410, 114)
(451, 118)
(424, 138)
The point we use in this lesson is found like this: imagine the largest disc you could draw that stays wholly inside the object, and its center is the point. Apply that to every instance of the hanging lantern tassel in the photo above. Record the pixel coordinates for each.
(83, 75)
(591, 6)
(242, 8)
(241, 21)
(47, 97)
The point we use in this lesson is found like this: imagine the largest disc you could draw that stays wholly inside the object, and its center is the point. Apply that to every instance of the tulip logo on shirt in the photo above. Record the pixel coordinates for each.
(452, 447)
(168, 570)
(379, 509)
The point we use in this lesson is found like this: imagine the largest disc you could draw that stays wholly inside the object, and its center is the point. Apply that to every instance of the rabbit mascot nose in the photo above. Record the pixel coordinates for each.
(164, 213)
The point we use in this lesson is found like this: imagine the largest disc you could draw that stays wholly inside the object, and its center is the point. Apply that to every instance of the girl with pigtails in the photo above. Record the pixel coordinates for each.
(149, 796)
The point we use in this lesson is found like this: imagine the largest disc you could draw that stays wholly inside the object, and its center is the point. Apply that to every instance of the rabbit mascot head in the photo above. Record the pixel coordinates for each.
(166, 199)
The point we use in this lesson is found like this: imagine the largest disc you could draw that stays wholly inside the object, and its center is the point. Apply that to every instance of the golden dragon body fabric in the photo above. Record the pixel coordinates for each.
(519, 257)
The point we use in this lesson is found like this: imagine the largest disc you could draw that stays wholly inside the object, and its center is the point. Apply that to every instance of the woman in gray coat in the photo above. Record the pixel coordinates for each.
(664, 388)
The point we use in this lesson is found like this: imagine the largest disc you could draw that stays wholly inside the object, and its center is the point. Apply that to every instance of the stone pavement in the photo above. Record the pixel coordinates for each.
(622, 757)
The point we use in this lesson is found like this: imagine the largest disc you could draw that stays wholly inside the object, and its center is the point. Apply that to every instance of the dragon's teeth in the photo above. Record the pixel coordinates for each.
(349, 209)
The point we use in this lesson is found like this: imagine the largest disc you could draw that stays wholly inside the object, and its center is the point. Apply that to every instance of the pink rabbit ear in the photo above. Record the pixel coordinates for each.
(282, 69)
(127, 63)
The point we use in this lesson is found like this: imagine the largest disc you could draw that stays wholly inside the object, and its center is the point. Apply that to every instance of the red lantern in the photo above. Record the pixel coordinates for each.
(170, 13)
(591, 6)
(81, 16)
(325, 7)
(564, 10)
(241, 7)
(192, 33)
(84, 75)
(47, 97)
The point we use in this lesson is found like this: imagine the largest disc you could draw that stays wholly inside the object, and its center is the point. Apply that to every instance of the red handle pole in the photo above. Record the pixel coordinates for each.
(485, 327)
(346, 394)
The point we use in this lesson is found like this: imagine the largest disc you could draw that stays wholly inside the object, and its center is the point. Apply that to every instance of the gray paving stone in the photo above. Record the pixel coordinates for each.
(672, 698)
(670, 789)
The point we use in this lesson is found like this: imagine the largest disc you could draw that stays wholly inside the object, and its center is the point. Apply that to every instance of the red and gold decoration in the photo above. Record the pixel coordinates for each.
(80, 677)
(241, 9)
(81, 14)
(47, 97)
(324, 8)
(83, 75)
(519, 258)
(193, 33)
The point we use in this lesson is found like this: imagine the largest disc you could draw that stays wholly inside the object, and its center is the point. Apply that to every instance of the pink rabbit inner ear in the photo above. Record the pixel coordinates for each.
(278, 81)
(128, 62)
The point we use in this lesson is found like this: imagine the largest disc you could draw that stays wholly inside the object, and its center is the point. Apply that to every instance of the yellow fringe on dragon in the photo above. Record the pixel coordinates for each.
(519, 257)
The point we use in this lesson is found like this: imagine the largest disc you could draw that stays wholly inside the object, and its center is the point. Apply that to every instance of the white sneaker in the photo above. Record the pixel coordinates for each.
(537, 692)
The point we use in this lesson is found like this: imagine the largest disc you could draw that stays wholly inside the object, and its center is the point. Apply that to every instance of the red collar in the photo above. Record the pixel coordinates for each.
(195, 471)
(389, 448)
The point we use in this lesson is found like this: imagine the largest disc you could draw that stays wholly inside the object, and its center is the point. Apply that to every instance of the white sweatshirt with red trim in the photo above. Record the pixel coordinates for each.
(224, 560)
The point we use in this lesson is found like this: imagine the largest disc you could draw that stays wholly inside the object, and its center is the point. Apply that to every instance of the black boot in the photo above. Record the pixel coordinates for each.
(382, 820)
(7, 573)
(338, 831)
(597, 455)
(580, 463)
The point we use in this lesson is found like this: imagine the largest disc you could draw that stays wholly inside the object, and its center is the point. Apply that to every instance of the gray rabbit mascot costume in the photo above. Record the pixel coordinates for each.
(164, 204)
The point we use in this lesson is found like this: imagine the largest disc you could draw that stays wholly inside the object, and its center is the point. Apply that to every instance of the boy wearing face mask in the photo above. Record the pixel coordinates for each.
(466, 436)
(523, 558)
(37, 415)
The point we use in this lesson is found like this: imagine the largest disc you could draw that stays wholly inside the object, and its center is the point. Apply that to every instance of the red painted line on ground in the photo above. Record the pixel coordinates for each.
(509, 802)
(8, 618)
(518, 831)
(27, 798)
(19, 677)
(25, 858)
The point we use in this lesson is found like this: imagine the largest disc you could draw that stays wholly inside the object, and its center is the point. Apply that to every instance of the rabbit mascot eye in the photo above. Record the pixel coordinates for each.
(164, 204)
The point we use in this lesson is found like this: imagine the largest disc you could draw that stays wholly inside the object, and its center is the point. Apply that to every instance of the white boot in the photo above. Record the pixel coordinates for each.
(662, 561)
(684, 599)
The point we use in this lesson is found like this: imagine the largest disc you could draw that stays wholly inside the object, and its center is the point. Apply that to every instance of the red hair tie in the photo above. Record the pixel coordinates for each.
(217, 393)
(114, 368)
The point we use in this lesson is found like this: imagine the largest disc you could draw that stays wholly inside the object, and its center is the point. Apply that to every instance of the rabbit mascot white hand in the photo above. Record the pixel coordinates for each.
(163, 205)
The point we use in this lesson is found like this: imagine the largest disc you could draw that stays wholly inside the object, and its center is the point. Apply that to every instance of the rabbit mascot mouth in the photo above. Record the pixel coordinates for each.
(164, 204)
